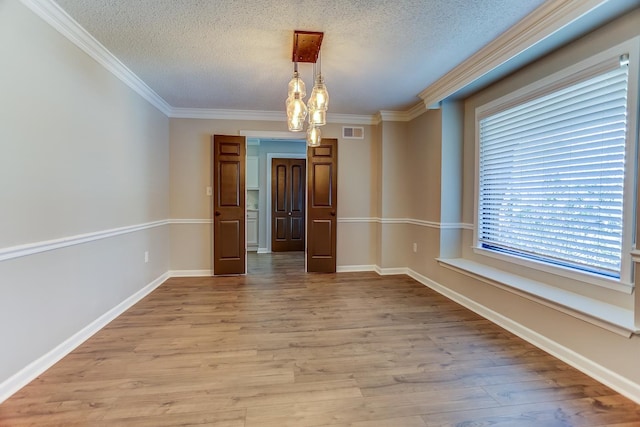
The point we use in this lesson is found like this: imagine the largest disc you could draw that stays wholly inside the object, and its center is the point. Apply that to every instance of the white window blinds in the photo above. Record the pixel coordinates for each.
(552, 175)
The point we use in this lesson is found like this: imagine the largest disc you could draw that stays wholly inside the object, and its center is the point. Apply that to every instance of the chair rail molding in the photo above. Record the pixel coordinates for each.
(49, 245)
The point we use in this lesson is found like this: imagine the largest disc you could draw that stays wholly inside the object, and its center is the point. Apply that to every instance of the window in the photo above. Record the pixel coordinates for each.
(552, 160)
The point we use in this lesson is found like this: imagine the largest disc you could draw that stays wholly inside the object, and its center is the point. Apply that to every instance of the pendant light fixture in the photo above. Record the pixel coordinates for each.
(319, 98)
(306, 48)
(296, 85)
(314, 136)
(296, 113)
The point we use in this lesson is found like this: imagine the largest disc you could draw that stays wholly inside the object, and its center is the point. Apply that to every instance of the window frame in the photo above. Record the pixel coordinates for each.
(582, 70)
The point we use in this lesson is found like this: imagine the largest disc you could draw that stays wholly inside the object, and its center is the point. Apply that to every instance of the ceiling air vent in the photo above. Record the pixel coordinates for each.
(353, 132)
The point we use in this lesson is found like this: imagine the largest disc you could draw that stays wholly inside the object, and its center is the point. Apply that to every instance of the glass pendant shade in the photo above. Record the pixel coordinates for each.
(316, 107)
(317, 117)
(297, 85)
(319, 99)
(296, 113)
(313, 136)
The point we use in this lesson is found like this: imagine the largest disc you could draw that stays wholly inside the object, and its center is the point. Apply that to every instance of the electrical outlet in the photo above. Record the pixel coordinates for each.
(209, 191)
(415, 247)
(146, 256)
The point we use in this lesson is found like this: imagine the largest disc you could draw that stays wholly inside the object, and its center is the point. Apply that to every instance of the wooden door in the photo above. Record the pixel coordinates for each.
(287, 204)
(322, 206)
(229, 249)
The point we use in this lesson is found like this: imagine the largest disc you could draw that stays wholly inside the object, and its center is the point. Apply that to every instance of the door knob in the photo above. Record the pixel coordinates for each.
(289, 213)
(218, 213)
(333, 213)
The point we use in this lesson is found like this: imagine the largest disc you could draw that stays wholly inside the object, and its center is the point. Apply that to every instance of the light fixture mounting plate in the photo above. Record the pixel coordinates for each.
(306, 46)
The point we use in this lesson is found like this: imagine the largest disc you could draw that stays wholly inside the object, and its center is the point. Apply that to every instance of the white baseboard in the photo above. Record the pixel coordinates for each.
(190, 273)
(617, 382)
(40, 365)
(391, 271)
(263, 251)
(607, 377)
(354, 268)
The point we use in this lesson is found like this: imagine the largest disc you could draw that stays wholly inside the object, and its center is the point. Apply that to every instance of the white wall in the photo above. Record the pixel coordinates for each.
(80, 153)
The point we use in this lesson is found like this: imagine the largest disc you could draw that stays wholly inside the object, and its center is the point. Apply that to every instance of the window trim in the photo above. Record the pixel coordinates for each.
(556, 81)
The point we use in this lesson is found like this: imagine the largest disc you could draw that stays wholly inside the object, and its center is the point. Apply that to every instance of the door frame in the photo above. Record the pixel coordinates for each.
(270, 157)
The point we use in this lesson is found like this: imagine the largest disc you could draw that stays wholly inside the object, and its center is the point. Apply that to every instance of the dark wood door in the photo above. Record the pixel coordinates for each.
(287, 204)
(322, 206)
(229, 243)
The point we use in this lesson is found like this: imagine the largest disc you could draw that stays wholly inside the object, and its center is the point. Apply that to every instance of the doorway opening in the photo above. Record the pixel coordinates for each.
(320, 206)
(275, 263)
(261, 258)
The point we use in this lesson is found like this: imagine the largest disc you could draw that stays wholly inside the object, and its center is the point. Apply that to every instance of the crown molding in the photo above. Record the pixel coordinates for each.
(538, 25)
(535, 27)
(55, 16)
(351, 119)
(260, 115)
(392, 116)
(401, 116)
(415, 111)
(219, 114)
(261, 134)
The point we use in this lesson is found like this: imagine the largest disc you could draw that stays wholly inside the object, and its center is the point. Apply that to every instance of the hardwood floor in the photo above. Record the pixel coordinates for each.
(283, 348)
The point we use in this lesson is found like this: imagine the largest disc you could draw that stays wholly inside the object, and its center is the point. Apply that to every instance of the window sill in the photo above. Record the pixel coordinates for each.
(592, 279)
(608, 316)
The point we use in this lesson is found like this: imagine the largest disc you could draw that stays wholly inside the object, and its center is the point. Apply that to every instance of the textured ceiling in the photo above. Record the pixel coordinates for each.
(236, 54)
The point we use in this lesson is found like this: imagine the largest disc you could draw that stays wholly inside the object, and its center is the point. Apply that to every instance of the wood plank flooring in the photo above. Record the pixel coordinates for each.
(283, 348)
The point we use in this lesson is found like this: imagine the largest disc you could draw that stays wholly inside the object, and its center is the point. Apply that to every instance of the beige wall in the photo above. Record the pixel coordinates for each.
(583, 340)
(377, 162)
(395, 191)
(612, 34)
(425, 176)
(80, 153)
(424, 171)
(439, 147)
(190, 171)
(394, 194)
